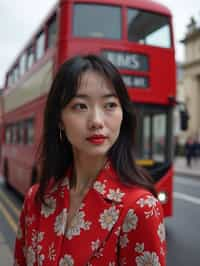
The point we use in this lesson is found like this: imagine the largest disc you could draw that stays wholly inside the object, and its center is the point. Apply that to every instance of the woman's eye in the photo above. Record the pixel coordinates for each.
(79, 106)
(111, 105)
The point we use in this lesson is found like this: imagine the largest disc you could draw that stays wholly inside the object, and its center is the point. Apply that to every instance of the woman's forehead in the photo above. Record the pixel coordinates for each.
(92, 81)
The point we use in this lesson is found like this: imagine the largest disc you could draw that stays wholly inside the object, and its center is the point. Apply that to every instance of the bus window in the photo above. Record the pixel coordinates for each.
(159, 122)
(14, 134)
(148, 28)
(30, 57)
(18, 133)
(52, 32)
(21, 132)
(8, 134)
(10, 79)
(40, 45)
(30, 131)
(22, 64)
(16, 74)
(88, 21)
(146, 135)
(153, 133)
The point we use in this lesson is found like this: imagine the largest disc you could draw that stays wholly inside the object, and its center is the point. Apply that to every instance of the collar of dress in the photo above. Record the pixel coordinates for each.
(107, 184)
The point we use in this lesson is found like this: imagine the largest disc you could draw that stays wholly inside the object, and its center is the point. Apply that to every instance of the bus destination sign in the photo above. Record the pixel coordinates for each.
(136, 81)
(129, 61)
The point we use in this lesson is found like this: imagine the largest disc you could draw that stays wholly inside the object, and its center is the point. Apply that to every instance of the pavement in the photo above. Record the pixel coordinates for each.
(180, 168)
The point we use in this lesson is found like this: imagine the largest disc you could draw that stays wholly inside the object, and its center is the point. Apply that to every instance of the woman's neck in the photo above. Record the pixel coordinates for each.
(85, 171)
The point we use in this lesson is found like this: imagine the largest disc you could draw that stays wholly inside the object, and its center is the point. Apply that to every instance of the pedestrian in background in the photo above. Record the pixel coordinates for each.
(196, 146)
(189, 151)
(93, 205)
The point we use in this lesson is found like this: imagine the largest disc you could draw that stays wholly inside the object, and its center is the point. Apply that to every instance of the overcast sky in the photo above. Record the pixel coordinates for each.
(20, 18)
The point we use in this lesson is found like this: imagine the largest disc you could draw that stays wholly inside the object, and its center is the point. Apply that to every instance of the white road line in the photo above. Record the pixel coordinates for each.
(188, 181)
(188, 198)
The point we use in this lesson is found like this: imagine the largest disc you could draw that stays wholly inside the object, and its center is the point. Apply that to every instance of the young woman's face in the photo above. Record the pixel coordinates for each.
(92, 119)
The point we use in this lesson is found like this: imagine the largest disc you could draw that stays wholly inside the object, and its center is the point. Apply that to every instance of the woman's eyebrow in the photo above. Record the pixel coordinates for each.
(85, 96)
(109, 95)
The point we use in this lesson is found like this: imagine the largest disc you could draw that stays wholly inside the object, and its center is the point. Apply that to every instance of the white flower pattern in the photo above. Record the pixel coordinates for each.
(147, 258)
(123, 241)
(41, 258)
(161, 232)
(150, 202)
(77, 224)
(30, 256)
(48, 209)
(67, 260)
(115, 195)
(108, 218)
(99, 187)
(130, 221)
(139, 248)
(95, 245)
(60, 223)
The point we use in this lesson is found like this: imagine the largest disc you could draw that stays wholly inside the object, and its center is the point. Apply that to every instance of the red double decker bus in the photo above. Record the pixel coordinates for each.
(137, 37)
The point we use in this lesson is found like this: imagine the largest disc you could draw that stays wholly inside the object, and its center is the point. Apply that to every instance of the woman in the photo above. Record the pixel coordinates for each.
(93, 206)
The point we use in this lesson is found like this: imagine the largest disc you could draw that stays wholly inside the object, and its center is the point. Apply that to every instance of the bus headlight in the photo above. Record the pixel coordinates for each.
(162, 196)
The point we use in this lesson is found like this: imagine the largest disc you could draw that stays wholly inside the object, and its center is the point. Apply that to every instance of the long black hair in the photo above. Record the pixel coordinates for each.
(56, 155)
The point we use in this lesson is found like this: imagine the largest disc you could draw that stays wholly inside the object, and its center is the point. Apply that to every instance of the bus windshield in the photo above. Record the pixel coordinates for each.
(148, 28)
(153, 134)
(97, 21)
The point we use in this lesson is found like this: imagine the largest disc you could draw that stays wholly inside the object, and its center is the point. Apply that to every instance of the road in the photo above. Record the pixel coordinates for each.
(183, 229)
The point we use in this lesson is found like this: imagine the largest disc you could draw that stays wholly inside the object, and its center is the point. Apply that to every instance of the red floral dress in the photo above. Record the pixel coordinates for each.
(115, 225)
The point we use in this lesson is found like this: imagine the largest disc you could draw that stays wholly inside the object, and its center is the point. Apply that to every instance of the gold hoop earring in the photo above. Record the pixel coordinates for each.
(61, 137)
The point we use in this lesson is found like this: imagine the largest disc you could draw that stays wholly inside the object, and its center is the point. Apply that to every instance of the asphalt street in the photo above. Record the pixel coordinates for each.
(183, 229)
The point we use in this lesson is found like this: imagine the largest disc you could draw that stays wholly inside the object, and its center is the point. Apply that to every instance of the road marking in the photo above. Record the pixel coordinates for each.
(9, 203)
(8, 217)
(188, 198)
(185, 181)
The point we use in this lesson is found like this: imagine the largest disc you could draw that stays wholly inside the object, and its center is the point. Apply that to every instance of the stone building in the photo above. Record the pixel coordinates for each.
(191, 77)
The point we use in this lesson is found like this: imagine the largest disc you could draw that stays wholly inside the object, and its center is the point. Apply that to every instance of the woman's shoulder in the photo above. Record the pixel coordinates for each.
(137, 196)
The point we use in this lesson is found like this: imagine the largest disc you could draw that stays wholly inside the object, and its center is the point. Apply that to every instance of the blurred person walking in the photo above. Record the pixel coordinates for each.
(189, 151)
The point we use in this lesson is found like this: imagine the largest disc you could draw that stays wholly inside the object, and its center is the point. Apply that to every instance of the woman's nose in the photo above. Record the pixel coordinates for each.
(96, 119)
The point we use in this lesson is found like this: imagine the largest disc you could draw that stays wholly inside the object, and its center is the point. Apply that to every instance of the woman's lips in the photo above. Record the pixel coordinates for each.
(96, 139)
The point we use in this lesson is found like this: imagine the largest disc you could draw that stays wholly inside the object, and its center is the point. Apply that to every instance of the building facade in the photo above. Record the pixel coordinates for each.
(189, 86)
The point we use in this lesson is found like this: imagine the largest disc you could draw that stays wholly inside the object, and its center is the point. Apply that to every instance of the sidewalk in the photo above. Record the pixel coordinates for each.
(181, 168)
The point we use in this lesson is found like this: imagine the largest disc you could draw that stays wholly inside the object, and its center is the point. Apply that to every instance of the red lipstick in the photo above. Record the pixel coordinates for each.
(96, 139)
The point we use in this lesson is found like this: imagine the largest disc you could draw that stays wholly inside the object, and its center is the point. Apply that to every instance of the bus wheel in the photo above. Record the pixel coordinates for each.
(34, 176)
(6, 173)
